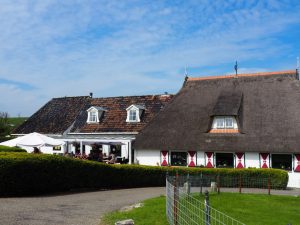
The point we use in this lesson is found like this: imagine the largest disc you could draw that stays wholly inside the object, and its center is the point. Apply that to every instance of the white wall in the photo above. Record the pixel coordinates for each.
(294, 179)
(147, 157)
(252, 159)
(200, 158)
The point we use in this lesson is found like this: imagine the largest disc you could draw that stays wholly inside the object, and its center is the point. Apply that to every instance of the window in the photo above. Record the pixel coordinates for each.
(178, 158)
(228, 122)
(132, 115)
(220, 122)
(93, 116)
(282, 161)
(56, 148)
(224, 160)
(224, 122)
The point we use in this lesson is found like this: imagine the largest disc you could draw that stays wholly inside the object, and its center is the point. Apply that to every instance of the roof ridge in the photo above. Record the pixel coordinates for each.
(129, 96)
(284, 72)
(84, 96)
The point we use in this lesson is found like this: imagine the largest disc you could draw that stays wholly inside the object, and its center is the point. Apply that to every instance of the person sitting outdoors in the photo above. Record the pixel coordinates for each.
(36, 150)
(100, 159)
(112, 160)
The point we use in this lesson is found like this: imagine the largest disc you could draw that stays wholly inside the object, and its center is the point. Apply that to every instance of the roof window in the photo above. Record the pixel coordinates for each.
(224, 124)
(95, 114)
(134, 113)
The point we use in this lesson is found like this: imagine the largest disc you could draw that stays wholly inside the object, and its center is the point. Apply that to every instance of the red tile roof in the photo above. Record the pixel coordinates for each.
(61, 114)
(114, 119)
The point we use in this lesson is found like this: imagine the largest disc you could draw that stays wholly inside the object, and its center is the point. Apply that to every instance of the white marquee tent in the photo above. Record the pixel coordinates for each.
(33, 140)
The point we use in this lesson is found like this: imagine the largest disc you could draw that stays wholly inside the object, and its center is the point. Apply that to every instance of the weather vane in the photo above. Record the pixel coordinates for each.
(185, 71)
(236, 67)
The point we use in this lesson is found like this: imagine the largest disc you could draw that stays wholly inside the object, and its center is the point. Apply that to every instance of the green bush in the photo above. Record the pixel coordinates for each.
(27, 174)
(11, 149)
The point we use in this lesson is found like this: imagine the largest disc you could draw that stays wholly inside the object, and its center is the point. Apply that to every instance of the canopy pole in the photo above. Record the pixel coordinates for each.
(81, 148)
(129, 152)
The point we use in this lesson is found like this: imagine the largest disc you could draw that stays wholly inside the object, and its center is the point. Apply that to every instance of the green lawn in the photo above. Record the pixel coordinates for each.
(251, 209)
(152, 213)
(16, 121)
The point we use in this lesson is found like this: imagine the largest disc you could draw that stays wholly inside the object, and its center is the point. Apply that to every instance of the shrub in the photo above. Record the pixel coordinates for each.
(11, 149)
(23, 174)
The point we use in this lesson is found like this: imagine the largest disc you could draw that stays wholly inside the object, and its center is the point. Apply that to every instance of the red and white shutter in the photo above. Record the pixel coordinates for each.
(209, 159)
(239, 160)
(264, 160)
(164, 158)
(192, 156)
(297, 163)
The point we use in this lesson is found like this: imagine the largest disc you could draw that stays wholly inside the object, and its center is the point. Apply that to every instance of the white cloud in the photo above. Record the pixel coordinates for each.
(111, 47)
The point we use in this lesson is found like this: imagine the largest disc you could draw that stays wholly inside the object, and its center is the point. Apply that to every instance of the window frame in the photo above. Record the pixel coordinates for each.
(232, 122)
(93, 117)
(131, 115)
(223, 156)
(221, 122)
(181, 156)
(219, 119)
(277, 161)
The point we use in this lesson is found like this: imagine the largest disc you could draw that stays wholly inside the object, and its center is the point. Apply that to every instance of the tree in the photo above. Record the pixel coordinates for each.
(4, 124)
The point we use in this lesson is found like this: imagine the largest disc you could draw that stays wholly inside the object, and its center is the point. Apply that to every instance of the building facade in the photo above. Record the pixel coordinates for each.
(83, 122)
(233, 121)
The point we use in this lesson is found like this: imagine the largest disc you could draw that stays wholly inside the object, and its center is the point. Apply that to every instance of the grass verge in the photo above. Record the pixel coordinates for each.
(152, 213)
(251, 209)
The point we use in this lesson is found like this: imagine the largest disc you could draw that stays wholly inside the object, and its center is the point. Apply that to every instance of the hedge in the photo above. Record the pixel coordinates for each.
(11, 149)
(30, 174)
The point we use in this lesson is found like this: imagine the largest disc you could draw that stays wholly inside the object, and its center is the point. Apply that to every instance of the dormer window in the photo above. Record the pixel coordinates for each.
(224, 124)
(95, 114)
(134, 113)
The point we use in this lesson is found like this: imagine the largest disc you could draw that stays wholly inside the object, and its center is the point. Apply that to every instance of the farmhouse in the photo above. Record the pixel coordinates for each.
(82, 122)
(238, 121)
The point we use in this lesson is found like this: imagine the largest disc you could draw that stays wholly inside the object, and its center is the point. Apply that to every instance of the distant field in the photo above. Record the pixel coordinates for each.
(16, 121)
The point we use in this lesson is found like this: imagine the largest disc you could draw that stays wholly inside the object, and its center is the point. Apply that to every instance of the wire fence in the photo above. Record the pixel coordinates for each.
(184, 208)
(238, 183)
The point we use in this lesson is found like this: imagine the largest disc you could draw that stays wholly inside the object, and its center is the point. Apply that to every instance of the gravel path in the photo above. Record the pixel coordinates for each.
(71, 209)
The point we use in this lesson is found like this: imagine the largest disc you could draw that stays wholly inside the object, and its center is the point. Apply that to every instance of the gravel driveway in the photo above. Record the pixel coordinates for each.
(71, 209)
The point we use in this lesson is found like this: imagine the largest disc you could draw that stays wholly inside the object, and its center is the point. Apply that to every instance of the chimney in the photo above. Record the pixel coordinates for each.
(91, 94)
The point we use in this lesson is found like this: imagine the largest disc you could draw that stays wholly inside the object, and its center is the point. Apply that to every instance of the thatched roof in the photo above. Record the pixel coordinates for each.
(69, 114)
(267, 107)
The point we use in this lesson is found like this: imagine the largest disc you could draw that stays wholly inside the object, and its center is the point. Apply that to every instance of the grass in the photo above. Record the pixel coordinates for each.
(258, 209)
(251, 209)
(16, 121)
(152, 213)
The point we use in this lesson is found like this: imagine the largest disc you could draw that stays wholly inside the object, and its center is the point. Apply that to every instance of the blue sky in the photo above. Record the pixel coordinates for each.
(70, 48)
